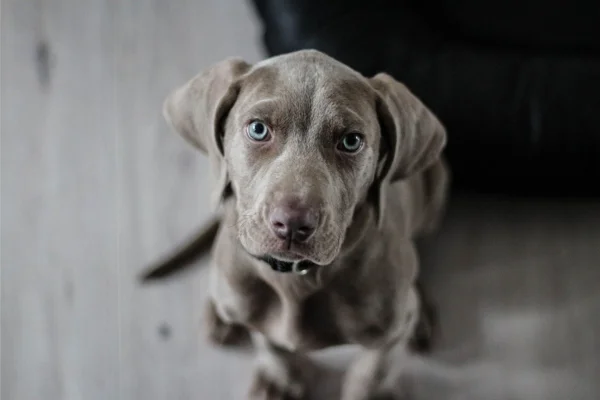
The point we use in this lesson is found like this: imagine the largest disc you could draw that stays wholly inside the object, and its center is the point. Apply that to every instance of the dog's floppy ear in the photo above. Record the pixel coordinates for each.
(198, 109)
(412, 137)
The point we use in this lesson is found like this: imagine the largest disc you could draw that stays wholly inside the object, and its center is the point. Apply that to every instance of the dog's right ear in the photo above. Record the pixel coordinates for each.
(414, 138)
(198, 110)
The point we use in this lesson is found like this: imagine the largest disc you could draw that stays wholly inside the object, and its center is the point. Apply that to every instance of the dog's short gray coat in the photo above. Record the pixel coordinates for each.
(371, 206)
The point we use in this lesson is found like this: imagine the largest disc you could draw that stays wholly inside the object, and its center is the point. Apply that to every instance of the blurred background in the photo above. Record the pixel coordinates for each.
(94, 186)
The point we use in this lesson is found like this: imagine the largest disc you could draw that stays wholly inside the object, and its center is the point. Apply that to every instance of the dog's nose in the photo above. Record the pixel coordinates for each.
(293, 223)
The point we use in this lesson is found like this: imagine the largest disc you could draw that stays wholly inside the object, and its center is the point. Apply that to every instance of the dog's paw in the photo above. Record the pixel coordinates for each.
(222, 333)
(269, 386)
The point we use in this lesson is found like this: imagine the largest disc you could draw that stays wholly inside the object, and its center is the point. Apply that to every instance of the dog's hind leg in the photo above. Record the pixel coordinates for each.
(425, 334)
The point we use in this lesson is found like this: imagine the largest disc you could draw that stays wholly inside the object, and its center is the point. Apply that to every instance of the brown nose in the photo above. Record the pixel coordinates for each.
(293, 223)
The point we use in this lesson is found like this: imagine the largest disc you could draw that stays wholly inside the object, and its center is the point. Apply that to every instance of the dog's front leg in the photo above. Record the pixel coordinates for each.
(279, 373)
(374, 375)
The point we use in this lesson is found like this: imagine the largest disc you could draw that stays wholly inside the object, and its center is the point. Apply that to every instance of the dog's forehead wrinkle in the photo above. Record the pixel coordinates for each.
(266, 102)
(342, 107)
(355, 114)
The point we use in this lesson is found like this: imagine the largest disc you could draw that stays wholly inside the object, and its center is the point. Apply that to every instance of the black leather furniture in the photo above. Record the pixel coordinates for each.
(516, 82)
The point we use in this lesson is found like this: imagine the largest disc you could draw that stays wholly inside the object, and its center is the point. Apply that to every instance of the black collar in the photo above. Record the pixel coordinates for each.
(300, 268)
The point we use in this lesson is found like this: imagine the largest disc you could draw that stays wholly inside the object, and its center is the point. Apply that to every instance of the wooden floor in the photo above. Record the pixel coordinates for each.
(94, 186)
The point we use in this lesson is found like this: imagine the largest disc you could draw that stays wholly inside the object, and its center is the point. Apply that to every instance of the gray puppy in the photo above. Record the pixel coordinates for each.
(324, 179)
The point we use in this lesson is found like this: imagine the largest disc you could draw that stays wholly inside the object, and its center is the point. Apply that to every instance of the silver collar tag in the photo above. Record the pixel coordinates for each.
(300, 268)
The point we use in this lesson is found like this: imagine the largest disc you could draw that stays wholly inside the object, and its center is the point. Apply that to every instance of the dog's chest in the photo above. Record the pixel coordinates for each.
(329, 316)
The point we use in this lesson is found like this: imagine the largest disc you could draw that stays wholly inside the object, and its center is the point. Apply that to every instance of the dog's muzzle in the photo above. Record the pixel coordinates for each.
(299, 267)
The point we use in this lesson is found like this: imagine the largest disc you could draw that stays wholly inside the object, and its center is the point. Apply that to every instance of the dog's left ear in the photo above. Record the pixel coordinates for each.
(198, 109)
(412, 137)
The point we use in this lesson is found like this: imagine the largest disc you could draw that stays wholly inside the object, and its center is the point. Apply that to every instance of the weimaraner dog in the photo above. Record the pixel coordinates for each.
(323, 179)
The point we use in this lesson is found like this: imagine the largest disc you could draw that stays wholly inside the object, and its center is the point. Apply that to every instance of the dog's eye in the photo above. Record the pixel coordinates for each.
(350, 143)
(258, 131)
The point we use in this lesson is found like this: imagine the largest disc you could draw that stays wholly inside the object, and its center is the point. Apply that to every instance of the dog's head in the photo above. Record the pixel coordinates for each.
(302, 141)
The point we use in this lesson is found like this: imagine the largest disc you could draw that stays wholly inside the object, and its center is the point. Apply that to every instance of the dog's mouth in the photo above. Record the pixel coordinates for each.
(297, 259)
(300, 267)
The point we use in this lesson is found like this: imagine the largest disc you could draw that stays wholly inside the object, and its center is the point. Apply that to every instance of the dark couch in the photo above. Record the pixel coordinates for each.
(516, 82)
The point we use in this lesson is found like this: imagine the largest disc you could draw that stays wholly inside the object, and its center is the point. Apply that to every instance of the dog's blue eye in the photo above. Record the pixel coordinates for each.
(351, 143)
(258, 131)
